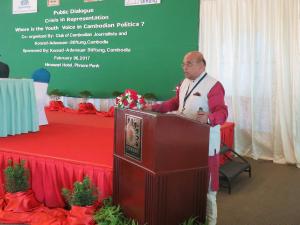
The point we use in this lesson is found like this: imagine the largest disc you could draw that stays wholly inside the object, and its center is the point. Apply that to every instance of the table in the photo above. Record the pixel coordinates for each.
(18, 111)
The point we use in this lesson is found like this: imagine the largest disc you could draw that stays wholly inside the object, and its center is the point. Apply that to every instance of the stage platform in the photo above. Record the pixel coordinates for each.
(70, 147)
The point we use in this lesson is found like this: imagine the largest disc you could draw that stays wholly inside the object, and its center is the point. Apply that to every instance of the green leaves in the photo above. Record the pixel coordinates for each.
(83, 194)
(116, 94)
(55, 92)
(191, 221)
(150, 96)
(85, 94)
(16, 177)
(111, 215)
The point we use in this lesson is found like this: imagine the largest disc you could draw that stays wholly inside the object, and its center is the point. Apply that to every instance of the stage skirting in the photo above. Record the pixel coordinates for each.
(49, 175)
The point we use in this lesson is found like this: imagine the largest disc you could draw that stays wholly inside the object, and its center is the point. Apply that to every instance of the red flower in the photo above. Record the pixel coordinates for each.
(142, 101)
(132, 105)
(125, 102)
(134, 97)
(131, 92)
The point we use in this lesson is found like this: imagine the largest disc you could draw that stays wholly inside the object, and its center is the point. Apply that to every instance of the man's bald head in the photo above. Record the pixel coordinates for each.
(193, 65)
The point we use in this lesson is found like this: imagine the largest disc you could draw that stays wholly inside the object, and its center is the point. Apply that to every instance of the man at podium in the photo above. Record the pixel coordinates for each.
(201, 97)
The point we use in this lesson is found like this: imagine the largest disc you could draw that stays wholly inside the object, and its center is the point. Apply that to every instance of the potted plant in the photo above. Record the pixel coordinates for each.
(191, 221)
(16, 177)
(82, 200)
(110, 214)
(86, 107)
(150, 98)
(55, 94)
(19, 196)
(55, 103)
(116, 93)
(85, 95)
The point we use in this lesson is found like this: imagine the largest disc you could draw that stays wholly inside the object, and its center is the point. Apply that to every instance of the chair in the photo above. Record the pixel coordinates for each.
(41, 75)
(232, 168)
(41, 78)
(4, 70)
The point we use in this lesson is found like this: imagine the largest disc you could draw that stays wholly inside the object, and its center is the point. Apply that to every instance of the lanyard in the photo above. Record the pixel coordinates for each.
(188, 93)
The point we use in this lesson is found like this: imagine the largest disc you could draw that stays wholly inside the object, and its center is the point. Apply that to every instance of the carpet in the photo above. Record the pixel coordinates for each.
(69, 136)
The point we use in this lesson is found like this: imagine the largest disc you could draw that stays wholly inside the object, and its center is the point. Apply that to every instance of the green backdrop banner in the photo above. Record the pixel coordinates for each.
(101, 46)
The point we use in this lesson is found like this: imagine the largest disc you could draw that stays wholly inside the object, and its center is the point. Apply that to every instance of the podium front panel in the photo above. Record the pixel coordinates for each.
(168, 183)
(168, 142)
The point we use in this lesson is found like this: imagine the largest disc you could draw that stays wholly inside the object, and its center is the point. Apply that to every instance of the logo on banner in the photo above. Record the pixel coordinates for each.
(24, 6)
(53, 2)
(133, 137)
(141, 2)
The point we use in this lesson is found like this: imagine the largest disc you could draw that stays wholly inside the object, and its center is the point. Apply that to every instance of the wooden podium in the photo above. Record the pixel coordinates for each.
(160, 167)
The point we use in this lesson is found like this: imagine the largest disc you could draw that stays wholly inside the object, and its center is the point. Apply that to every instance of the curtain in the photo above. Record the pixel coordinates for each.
(252, 47)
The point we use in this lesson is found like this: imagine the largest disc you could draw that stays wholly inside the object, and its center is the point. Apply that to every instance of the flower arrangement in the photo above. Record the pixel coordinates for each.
(130, 99)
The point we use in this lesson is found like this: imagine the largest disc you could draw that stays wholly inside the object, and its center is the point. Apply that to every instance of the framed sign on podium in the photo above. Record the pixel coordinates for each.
(160, 167)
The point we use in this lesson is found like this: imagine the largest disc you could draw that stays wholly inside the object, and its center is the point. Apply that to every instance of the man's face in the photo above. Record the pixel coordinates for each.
(192, 66)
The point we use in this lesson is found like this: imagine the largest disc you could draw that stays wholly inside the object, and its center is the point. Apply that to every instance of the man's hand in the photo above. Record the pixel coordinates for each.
(202, 117)
(147, 107)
